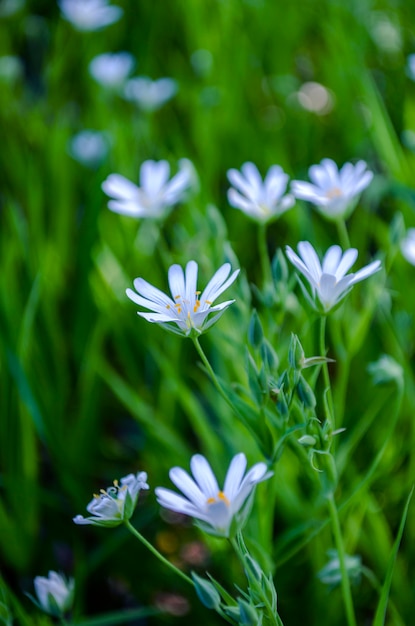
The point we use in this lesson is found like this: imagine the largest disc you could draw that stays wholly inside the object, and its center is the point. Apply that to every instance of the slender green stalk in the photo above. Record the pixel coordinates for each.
(328, 403)
(343, 234)
(263, 254)
(157, 554)
(272, 614)
(345, 582)
(210, 371)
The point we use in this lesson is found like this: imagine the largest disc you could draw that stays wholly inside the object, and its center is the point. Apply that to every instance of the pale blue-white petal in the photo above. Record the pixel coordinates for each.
(153, 176)
(310, 259)
(176, 282)
(119, 187)
(331, 260)
(234, 476)
(348, 259)
(366, 271)
(188, 486)
(204, 476)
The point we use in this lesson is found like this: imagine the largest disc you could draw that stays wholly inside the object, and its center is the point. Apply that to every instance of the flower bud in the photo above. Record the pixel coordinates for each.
(296, 353)
(206, 592)
(255, 332)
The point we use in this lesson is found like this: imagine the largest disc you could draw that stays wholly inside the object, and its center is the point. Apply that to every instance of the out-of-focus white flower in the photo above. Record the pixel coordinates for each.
(111, 69)
(150, 95)
(315, 97)
(328, 281)
(89, 147)
(410, 66)
(54, 593)
(188, 308)
(408, 246)
(10, 7)
(88, 15)
(116, 504)
(11, 69)
(262, 200)
(334, 192)
(215, 508)
(156, 192)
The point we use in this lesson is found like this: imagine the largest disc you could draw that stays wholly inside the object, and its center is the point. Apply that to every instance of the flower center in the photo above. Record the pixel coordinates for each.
(334, 192)
(110, 492)
(219, 498)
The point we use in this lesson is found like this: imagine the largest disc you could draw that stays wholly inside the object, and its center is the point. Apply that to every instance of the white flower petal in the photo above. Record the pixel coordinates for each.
(204, 476)
(234, 475)
(188, 486)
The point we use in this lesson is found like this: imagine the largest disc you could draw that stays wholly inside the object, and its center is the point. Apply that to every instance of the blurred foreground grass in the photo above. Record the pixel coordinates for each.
(89, 392)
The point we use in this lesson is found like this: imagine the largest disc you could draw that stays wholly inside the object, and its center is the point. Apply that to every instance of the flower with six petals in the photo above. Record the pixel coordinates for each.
(187, 307)
(328, 280)
(333, 192)
(262, 200)
(156, 193)
(54, 593)
(116, 504)
(218, 511)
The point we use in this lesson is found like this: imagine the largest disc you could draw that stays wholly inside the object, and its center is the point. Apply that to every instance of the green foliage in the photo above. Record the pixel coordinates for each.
(90, 392)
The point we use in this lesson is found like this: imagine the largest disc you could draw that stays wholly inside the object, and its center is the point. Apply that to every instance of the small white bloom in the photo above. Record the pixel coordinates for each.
(408, 246)
(334, 192)
(54, 593)
(149, 94)
(328, 280)
(111, 69)
(215, 508)
(116, 504)
(262, 200)
(410, 66)
(188, 308)
(88, 147)
(89, 15)
(156, 192)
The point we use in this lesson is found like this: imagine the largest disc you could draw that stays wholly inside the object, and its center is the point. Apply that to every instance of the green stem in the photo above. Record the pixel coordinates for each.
(328, 402)
(272, 614)
(157, 554)
(263, 254)
(345, 582)
(343, 234)
(210, 371)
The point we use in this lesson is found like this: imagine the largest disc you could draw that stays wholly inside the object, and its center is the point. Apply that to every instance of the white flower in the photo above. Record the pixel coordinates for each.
(116, 504)
(111, 69)
(334, 192)
(54, 593)
(89, 147)
(149, 94)
(328, 280)
(215, 508)
(88, 15)
(410, 66)
(188, 308)
(260, 199)
(156, 192)
(408, 246)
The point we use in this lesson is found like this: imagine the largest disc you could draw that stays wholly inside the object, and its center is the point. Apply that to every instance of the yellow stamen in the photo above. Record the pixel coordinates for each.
(221, 496)
(208, 302)
(175, 297)
(167, 306)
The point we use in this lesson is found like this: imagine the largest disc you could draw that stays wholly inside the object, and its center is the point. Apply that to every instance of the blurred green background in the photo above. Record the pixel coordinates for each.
(90, 392)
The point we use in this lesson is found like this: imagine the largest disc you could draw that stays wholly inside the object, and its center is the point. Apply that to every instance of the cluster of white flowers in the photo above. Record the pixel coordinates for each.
(333, 192)
(203, 500)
